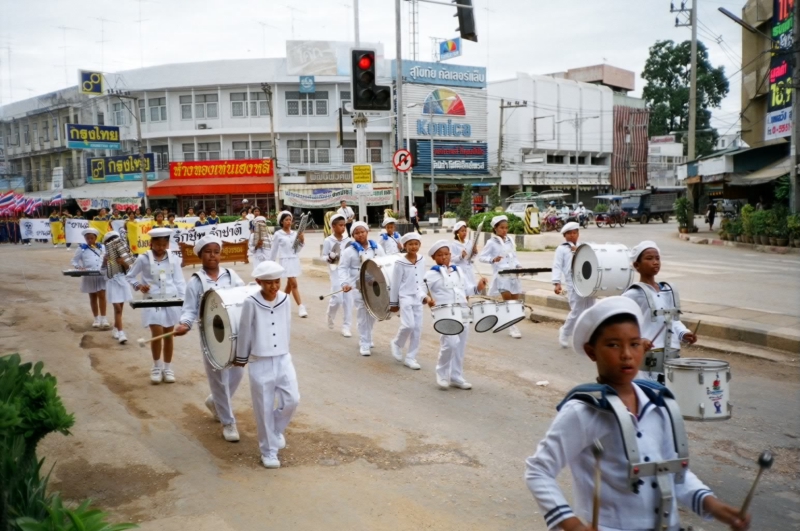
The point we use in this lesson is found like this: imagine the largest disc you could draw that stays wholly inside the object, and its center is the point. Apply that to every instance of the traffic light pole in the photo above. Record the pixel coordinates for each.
(400, 109)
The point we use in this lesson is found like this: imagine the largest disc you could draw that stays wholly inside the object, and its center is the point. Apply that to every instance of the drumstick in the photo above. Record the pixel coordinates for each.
(764, 462)
(321, 297)
(142, 342)
(658, 333)
(597, 451)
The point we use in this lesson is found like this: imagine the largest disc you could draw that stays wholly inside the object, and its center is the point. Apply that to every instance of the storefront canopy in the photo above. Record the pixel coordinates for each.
(211, 186)
(104, 190)
(764, 175)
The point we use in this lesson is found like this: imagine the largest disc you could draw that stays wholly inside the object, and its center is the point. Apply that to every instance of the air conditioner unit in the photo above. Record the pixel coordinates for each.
(202, 126)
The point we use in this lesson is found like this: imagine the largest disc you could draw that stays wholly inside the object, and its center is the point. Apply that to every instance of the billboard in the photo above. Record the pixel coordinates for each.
(90, 83)
(449, 49)
(452, 158)
(326, 58)
(221, 168)
(92, 136)
(121, 168)
(443, 74)
(778, 121)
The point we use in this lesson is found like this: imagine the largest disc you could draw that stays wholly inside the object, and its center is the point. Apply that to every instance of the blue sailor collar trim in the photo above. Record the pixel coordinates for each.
(596, 395)
(358, 247)
(256, 296)
(439, 268)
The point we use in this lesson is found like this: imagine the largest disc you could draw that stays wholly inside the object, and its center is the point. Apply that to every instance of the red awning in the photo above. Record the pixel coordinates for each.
(212, 186)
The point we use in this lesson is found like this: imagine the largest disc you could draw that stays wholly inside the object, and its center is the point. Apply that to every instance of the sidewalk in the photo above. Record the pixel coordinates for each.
(712, 238)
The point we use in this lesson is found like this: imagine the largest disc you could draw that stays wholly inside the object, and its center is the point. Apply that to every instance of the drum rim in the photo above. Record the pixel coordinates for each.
(461, 324)
(595, 265)
(387, 282)
(479, 321)
(684, 364)
(508, 324)
(207, 352)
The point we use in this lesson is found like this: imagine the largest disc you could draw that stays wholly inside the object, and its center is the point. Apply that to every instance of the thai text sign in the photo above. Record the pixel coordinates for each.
(221, 168)
(122, 168)
(362, 173)
(443, 74)
(230, 252)
(92, 136)
(778, 121)
(326, 177)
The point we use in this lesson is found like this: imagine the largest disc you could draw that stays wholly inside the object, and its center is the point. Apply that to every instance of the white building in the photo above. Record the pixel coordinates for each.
(664, 156)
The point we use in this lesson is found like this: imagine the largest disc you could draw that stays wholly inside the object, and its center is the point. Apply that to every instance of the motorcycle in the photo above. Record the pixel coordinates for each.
(611, 219)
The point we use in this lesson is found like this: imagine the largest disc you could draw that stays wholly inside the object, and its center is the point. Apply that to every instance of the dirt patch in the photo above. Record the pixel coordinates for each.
(123, 388)
(106, 485)
(88, 341)
(786, 463)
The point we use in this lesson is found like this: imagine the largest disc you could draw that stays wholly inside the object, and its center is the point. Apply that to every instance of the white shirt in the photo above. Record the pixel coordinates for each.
(569, 442)
(89, 257)
(195, 289)
(389, 243)
(264, 327)
(456, 248)
(262, 252)
(496, 247)
(347, 212)
(408, 288)
(282, 243)
(350, 263)
(448, 285)
(562, 264)
(662, 300)
(412, 212)
(174, 283)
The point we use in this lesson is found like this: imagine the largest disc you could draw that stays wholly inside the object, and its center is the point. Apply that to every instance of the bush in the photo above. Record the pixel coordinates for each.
(793, 226)
(229, 219)
(59, 518)
(449, 215)
(776, 222)
(682, 212)
(464, 210)
(601, 207)
(747, 220)
(759, 221)
(516, 225)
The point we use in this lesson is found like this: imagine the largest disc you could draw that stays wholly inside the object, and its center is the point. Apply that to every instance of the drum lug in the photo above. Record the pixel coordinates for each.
(669, 374)
(728, 377)
(700, 378)
(702, 410)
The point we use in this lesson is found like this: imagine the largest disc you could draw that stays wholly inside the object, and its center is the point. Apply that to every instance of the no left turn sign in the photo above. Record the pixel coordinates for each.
(402, 160)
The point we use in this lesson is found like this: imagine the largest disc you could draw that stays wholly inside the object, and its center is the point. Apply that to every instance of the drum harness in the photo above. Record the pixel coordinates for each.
(670, 314)
(604, 398)
(158, 272)
(362, 255)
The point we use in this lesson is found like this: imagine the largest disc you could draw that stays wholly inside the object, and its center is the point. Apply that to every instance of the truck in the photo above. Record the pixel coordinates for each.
(656, 203)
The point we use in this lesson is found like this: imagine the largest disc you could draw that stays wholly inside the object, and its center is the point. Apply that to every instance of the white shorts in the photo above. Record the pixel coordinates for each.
(509, 283)
(292, 267)
(166, 316)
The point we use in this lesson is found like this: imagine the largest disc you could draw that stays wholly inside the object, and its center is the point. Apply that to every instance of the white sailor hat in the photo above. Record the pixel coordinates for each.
(458, 225)
(268, 270)
(160, 232)
(90, 230)
(388, 220)
(438, 245)
(110, 234)
(337, 216)
(283, 214)
(642, 247)
(498, 219)
(205, 240)
(570, 226)
(260, 218)
(410, 236)
(358, 224)
(594, 317)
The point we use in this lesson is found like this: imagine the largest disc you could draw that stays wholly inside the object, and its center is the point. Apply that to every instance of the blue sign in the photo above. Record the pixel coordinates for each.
(91, 83)
(92, 136)
(452, 158)
(121, 168)
(307, 85)
(443, 74)
(450, 49)
(448, 128)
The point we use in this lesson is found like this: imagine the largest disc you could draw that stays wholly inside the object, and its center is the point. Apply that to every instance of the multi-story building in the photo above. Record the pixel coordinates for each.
(664, 157)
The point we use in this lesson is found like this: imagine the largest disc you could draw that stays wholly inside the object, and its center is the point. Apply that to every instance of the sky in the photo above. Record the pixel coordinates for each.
(44, 42)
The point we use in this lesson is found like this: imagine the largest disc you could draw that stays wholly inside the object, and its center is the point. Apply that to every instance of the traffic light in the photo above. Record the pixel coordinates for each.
(367, 96)
(466, 20)
(413, 149)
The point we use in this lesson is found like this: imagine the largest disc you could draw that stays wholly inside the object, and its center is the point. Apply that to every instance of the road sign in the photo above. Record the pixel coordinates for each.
(433, 188)
(362, 174)
(362, 189)
(402, 160)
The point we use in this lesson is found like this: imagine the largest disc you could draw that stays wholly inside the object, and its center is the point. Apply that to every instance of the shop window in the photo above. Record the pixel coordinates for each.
(158, 109)
(555, 159)
(188, 152)
(317, 152)
(238, 104)
(240, 150)
(208, 150)
(118, 112)
(142, 111)
(262, 149)
(346, 98)
(349, 147)
(186, 107)
(298, 104)
(375, 150)
(101, 118)
(46, 131)
(258, 104)
(205, 106)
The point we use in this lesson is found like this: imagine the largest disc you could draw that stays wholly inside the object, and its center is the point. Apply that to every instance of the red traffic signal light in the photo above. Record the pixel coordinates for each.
(367, 95)
(365, 62)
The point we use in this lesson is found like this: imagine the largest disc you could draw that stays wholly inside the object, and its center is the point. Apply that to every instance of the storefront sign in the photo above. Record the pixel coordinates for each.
(464, 158)
(91, 83)
(327, 177)
(443, 74)
(332, 198)
(122, 168)
(307, 85)
(778, 121)
(231, 252)
(663, 139)
(92, 136)
(449, 49)
(120, 203)
(221, 168)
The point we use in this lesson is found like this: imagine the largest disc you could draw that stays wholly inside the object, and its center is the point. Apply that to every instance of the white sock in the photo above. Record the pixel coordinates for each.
(157, 363)
(167, 366)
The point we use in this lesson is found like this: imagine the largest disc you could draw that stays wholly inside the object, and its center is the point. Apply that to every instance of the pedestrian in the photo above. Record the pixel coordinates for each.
(390, 239)
(348, 214)
(562, 267)
(332, 248)
(407, 296)
(283, 244)
(711, 212)
(414, 218)
(462, 253)
(90, 256)
(501, 252)
(118, 291)
(158, 221)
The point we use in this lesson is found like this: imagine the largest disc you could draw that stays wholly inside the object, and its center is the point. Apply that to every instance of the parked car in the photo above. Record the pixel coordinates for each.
(644, 205)
(729, 208)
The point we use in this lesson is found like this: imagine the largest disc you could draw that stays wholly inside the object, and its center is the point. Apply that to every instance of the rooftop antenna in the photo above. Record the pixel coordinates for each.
(103, 40)
(264, 27)
(64, 35)
(292, 10)
(141, 41)
(347, 19)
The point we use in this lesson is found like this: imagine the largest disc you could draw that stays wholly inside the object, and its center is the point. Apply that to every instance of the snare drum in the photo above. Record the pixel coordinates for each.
(375, 279)
(449, 319)
(701, 387)
(484, 314)
(601, 269)
(509, 313)
(220, 311)
(654, 359)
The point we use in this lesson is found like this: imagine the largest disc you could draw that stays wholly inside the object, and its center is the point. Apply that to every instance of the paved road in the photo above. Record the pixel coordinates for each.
(374, 445)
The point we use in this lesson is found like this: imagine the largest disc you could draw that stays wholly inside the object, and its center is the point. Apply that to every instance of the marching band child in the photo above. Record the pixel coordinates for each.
(264, 342)
(283, 243)
(449, 285)
(562, 266)
(609, 334)
(256, 249)
(501, 252)
(202, 222)
(461, 253)
(118, 291)
(171, 221)
(345, 300)
(223, 383)
(660, 304)
(89, 255)
(390, 240)
(407, 295)
(160, 275)
(358, 249)
(213, 219)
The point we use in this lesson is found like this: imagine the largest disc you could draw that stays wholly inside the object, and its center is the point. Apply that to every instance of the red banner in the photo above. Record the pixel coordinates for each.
(221, 168)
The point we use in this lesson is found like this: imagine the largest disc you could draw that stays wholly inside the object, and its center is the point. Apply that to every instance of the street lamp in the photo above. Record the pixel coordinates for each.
(432, 131)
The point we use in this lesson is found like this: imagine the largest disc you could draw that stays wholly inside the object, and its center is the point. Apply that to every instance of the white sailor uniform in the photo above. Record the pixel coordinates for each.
(86, 257)
(163, 276)
(349, 269)
(282, 244)
(257, 255)
(117, 289)
(263, 343)
(627, 503)
(408, 291)
(450, 286)
(507, 249)
(389, 243)
(464, 264)
(345, 300)
(562, 266)
(223, 383)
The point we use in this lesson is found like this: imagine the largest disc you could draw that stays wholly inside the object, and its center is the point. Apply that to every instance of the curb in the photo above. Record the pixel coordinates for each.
(760, 248)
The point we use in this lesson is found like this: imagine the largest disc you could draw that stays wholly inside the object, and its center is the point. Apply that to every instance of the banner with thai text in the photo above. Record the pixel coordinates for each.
(120, 168)
(331, 198)
(139, 240)
(221, 168)
(73, 228)
(120, 203)
(34, 229)
(92, 136)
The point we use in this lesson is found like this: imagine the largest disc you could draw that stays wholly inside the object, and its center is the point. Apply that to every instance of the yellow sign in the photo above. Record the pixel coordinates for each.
(57, 232)
(362, 173)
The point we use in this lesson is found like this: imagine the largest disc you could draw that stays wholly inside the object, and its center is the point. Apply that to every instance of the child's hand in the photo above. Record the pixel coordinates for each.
(181, 330)
(346, 288)
(557, 289)
(144, 288)
(497, 259)
(431, 302)
(482, 284)
(689, 338)
(726, 514)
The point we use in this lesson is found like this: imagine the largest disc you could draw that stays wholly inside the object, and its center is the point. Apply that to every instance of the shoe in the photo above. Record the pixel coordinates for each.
(412, 364)
(230, 433)
(96, 323)
(169, 376)
(444, 385)
(122, 338)
(211, 406)
(156, 375)
(270, 462)
(115, 333)
(461, 385)
(396, 352)
(302, 311)
(365, 352)
(346, 332)
(371, 344)
(281, 441)
(55, 245)
(104, 324)
(562, 340)
(330, 322)
(514, 332)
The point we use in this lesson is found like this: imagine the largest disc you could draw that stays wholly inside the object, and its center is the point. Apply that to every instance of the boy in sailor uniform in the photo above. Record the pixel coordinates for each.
(562, 266)
(263, 342)
(660, 305)
(644, 465)
(161, 277)
(257, 251)
(501, 252)
(359, 249)
(223, 383)
(332, 254)
(390, 240)
(448, 285)
(118, 291)
(407, 295)
(90, 255)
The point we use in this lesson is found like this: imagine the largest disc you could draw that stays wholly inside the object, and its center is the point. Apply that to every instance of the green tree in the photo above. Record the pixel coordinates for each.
(667, 75)
(464, 210)
(494, 197)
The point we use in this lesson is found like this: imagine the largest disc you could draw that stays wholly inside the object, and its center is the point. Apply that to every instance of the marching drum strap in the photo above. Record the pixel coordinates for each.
(204, 278)
(159, 274)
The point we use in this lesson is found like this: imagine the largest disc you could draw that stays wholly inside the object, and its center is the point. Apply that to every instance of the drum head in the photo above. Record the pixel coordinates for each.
(585, 270)
(709, 364)
(375, 290)
(215, 331)
(486, 323)
(508, 324)
(448, 327)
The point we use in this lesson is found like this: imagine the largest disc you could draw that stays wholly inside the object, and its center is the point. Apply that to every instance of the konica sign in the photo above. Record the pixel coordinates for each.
(443, 74)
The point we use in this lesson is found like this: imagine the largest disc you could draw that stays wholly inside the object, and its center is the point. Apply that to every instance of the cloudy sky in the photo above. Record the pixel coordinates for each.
(48, 40)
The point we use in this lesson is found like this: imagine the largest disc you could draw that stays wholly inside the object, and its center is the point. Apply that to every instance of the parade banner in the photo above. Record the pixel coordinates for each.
(120, 203)
(73, 228)
(234, 232)
(57, 232)
(34, 229)
(332, 198)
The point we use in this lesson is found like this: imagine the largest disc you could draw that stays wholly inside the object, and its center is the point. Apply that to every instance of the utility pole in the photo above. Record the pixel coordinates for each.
(628, 151)
(267, 88)
(399, 96)
(500, 142)
(577, 123)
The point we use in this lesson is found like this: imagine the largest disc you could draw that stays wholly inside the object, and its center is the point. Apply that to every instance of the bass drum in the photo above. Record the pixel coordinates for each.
(601, 269)
(220, 311)
(375, 281)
